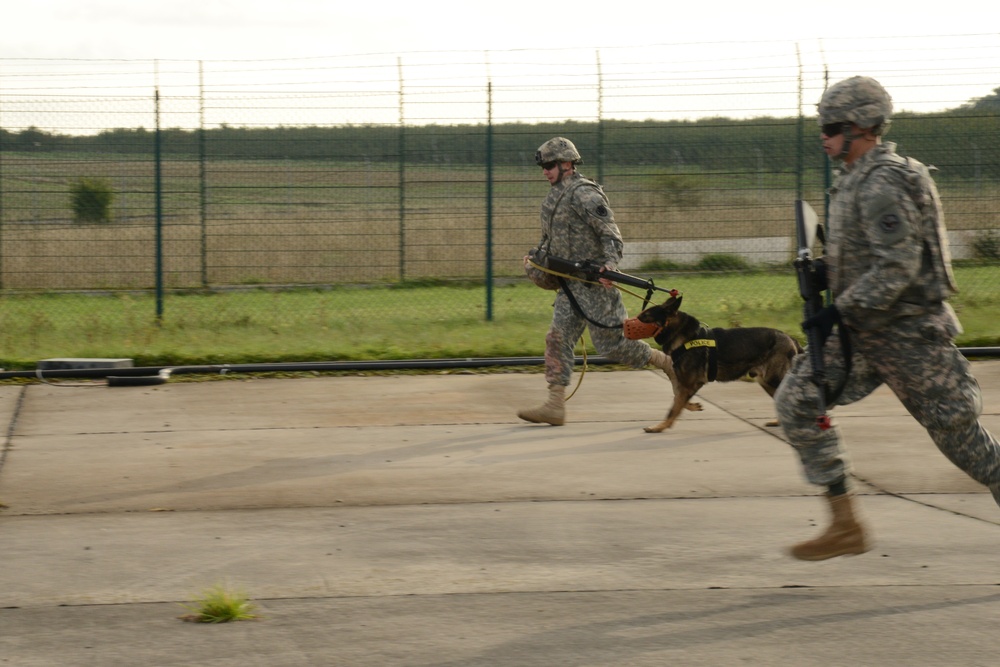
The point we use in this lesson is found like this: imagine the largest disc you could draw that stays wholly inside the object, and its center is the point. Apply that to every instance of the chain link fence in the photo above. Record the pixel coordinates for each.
(345, 172)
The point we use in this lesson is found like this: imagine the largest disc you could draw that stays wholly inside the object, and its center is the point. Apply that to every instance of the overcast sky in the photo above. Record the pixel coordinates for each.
(706, 58)
(264, 29)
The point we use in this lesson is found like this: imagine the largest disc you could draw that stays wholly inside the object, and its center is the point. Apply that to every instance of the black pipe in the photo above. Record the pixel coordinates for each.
(164, 372)
(146, 375)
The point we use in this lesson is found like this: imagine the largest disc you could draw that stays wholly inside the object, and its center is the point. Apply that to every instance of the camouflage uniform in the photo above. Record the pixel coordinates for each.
(889, 271)
(578, 224)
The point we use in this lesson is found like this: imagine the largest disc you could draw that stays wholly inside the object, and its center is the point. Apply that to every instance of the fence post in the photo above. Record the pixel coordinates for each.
(201, 174)
(600, 121)
(489, 201)
(800, 129)
(2, 229)
(158, 186)
(402, 176)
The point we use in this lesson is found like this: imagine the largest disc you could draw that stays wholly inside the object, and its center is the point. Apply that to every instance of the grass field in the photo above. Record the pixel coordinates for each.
(417, 322)
(369, 259)
(316, 222)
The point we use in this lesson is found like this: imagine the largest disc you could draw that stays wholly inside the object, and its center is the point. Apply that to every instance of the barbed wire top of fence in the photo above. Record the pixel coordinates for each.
(684, 81)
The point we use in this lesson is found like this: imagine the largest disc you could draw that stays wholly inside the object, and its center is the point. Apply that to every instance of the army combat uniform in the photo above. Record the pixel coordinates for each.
(578, 224)
(889, 271)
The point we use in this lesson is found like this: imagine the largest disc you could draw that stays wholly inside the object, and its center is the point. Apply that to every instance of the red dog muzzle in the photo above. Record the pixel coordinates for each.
(636, 330)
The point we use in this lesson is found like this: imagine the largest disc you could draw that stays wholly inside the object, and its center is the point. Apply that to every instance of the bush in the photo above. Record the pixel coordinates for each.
(678, 190)
(655, 265)
(986, 246)
(91, 200)
(722, 262)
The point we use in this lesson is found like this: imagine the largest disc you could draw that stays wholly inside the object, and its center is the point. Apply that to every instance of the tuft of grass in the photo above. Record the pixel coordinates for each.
(219, 604)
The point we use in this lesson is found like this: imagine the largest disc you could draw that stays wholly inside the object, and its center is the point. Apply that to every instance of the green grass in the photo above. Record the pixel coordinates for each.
(419, 322)
(219, 604)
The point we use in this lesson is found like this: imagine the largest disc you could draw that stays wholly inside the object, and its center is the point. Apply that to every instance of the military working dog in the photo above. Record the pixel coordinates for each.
(701, 354)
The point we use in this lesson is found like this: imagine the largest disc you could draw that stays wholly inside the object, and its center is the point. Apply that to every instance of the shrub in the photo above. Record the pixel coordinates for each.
(722, 262)
(986, 245)
(654, 265)
(678, 190)
(91, 200)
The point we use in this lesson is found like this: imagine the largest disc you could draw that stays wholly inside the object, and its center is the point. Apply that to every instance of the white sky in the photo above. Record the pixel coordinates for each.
(264, 29)
(929, 55)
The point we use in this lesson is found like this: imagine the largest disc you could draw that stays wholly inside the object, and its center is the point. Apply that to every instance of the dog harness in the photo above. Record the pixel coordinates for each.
(707, 341)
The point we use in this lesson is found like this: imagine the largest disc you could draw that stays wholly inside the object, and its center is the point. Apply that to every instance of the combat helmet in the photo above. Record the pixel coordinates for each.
(557, 149)
(860, 100)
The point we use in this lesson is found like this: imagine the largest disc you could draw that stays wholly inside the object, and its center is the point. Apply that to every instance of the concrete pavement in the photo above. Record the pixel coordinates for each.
(414, 521)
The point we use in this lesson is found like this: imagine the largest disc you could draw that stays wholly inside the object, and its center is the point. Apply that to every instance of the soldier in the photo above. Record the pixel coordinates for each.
(889, 270)
(578, 224)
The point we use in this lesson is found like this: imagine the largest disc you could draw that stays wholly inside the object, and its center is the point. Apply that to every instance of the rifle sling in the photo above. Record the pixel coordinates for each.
(845, 347)
(579, 311)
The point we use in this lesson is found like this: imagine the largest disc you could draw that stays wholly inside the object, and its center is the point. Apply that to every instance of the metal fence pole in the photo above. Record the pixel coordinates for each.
(402, 176)
(489, 201)
(201, 174)
(1, 192)
(799, 129)
(600, 121)
(158, 186)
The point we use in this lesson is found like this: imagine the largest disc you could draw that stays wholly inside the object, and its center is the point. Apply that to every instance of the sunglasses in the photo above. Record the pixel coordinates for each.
(548, 165)
(833, 129)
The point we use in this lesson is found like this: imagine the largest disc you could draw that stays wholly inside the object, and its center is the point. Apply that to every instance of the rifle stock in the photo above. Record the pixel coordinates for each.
(806, 224)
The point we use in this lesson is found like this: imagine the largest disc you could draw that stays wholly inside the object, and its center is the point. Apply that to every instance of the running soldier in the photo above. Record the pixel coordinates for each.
(578, 224)
(889, 269)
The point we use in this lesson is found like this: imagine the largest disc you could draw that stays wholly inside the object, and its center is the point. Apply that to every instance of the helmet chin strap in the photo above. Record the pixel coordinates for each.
(849, 138)
(562, 172)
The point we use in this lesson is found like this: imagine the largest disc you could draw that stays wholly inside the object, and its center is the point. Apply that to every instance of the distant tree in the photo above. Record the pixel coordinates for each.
(90, 199)
(989, 102)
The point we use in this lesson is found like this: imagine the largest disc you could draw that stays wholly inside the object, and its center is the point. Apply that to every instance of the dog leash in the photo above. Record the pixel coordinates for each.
(570, 276)
(563, 277)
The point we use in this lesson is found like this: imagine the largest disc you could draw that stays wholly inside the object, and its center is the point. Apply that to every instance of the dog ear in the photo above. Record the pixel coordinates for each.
(673, 304)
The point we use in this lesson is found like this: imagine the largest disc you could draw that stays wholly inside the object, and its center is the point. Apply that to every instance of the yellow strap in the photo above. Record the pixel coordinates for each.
(699, 342)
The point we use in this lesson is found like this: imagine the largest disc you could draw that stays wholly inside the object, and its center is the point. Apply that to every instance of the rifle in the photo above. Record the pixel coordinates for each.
(806, 228)
(590, 270)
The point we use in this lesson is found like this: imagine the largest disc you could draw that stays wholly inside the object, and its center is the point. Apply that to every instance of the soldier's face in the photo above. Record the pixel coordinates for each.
(832, 145)
(553, 171)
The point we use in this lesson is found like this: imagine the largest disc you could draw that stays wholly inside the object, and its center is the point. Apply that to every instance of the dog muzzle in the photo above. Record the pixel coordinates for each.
(636, 330)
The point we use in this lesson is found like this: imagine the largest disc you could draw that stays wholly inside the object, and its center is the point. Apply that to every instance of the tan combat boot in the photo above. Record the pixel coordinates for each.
(845, 535)
(553, 411)
(662, 361)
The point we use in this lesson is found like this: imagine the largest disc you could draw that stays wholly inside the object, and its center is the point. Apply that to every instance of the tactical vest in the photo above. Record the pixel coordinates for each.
(936, 263)
(561, 246)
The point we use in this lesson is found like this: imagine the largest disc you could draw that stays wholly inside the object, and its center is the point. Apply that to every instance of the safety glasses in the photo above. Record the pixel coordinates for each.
(833, 129)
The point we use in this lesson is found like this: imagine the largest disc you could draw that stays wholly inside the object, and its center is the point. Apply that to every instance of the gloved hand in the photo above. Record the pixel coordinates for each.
(819, 281)
(823, 322)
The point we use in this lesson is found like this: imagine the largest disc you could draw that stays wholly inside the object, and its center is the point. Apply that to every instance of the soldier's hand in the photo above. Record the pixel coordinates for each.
(820, 283)
(823, 322)
(605, 281)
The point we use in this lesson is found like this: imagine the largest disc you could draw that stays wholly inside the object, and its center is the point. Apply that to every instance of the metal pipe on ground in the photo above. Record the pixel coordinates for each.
(153, 375)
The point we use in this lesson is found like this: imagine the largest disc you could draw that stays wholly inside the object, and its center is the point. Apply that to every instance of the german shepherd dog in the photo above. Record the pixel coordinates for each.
(702, 355)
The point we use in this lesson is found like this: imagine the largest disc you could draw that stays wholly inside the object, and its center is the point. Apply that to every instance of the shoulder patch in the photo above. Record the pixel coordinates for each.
(601, 210)
(889, 222)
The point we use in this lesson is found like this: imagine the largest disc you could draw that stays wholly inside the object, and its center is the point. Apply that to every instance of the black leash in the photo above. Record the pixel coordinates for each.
(579, 311)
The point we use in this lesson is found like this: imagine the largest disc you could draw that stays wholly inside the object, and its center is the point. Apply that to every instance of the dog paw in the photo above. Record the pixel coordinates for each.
(653, 429)
(694, 407)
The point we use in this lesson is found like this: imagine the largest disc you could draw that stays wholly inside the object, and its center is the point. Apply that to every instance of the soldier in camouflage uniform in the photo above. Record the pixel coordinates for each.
(889, 271)
(578, 224)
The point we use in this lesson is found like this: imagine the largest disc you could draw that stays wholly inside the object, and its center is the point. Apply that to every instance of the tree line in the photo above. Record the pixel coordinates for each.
(964, 142)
